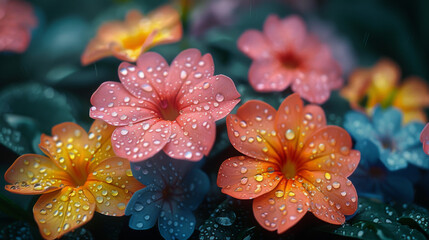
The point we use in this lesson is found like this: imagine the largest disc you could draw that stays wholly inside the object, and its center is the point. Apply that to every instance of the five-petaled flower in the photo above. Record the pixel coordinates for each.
(174, 188)
(294, 163)
(127, 40)
(160, 107)
(285, 54)
(80, 175)
(380, 85)
(397, 145)
(17, 19)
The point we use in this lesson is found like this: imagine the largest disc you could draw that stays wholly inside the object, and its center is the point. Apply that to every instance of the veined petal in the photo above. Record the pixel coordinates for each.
(192, 136)
(247, 178)
(195, 186)
(142, 140)
(407, 136)
(329, 149)
(254, 44)
(35, 174)
(112, 184)
(100, 145)
(282, 207)
(60, 212)
(359, 126)
(167, 20)
(216, 95)
(251, 131)
(115, 105)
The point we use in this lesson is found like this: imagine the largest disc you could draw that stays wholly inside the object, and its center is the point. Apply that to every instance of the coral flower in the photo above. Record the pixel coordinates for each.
(160, 107)
(80, 175)
(294, 163)
(380, 85)
(424, 138)
(17, 19)
(173, 190)
(286, 54)
(127, 40)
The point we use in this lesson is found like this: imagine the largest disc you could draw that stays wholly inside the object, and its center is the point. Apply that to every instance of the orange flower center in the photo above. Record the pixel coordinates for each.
(290, 61)
(79, 179)
(289, 169)
(134, 41)
(168, 111)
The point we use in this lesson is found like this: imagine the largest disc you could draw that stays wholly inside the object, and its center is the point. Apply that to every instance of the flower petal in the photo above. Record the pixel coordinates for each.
(359, 126)
(285, 35)
(408, 136)
(254, 44)
(187, 70)
(115, 105)
(329, 149)
(144, 207)
(167, 20)
(142, 140)
(60, 212)
(268, 75)
(424, 138)
(414, 93)
(281, 208)
(100, 145)
(35, 174)
(192, 136)
(337, 190)
(251, 131)
(176, 222)
(247, 178)
(216, 95)
(112, 184)
(414, 155)
(387, 121)
(316, 87)
(195, 186)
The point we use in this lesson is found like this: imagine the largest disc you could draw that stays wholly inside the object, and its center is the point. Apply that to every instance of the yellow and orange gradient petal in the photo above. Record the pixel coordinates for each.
(127, 40)
(294, 163)
(80, 175)
(412, 97)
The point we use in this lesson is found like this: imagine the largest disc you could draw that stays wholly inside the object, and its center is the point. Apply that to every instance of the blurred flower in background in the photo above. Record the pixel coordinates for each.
(397, 144)
(17, 19)
(286, 54)
(380, 85)
(127, 40)
(424, 138)
(174, 188)
(80, 175)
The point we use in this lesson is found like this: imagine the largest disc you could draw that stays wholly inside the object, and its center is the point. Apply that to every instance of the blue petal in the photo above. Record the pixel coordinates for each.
(369, 153)
(195, 187)
(160, 170)
(144, 207)
(398, 189)
(393, 161)
(416, 156)
(387, 121)
(408, 136)
(176, 222)
(359, 126)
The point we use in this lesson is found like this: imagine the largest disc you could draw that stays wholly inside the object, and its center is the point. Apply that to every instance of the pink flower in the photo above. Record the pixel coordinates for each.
(16, 21)
(284, 54)
(424, 138)
(159, 107)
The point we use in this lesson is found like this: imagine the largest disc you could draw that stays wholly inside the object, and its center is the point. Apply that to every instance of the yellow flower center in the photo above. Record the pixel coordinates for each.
(289, 169)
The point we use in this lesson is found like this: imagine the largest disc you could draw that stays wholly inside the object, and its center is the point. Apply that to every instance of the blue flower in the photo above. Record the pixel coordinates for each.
(174, 188)
(397, 145)
(373, 179)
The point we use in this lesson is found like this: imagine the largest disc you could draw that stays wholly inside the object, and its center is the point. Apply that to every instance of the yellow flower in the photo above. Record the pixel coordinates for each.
(127, 40)
(80, 175)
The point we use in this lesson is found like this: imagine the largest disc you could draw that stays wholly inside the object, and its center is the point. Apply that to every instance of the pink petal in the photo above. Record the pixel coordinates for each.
(14, 38)
(269, 75)
(142, 140)
(424, 138)
(254, 44)
(115, 105)
(187, 70)
(216, 95)
(192, 135)
(313, 87)
(285, 35)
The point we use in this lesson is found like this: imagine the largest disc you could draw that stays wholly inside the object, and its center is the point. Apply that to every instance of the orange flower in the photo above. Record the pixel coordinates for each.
(294, 163)
(80, 175)
(127, 40)
(379, 85)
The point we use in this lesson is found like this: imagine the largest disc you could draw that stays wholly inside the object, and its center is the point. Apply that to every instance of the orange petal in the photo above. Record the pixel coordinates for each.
(112, 185)
(251, 131)
(358, 84)
(99, 137)
(413, 94)
(281, 208)
(35, 174)
(414, 115)
(60, 212)
(329, 149)
(247, 178)
(337, 191)
(166, 20)
(295, 124)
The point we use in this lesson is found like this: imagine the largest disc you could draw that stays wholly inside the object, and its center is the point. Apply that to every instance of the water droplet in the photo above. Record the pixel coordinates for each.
(188, 155)
(259, 177)
(290, 134)
(328, 176)
(219, 97)
(147, 87)
(124, 131)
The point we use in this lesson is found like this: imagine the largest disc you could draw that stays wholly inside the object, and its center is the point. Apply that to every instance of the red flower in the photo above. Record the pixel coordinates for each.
(294, 163)
(157, 107)
(284, 54)
(17, 19)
